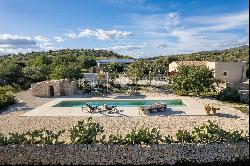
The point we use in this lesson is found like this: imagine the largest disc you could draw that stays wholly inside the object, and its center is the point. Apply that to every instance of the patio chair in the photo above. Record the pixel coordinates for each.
(161, 107)
(157, 107)
(111, 109)
(145, 109)
(92, 109)
(154, 108)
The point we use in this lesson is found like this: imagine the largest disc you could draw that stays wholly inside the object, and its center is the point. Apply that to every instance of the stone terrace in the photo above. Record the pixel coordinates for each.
(11, 121)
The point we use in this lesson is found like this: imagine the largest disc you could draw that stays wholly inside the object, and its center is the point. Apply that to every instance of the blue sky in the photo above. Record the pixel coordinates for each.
(141, 28)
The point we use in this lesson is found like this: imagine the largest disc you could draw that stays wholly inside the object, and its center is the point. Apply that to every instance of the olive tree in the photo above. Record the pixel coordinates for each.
(63, 71)
(135, 71)
(11, 72)
(192, 79)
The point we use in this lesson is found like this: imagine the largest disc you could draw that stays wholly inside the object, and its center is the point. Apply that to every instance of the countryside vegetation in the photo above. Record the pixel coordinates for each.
(19, 71)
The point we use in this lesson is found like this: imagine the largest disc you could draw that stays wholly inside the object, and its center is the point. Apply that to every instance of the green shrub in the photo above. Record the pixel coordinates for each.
(32, 137)
(3, 139)
(85, 132)
(236, 136)
(228, 94)
(6, 98)
(144, 136)
(119, 90)
(210, 132)
(168, 139)
(243, 109)
(209, 94)
(90, 133)
(183, 136)
(116, 139)
(11, 88)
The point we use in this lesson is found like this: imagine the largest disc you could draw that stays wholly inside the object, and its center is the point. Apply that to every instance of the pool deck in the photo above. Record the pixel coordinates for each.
(192, 108)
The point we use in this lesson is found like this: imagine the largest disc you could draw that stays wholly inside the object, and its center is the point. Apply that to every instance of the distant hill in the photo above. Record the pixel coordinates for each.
(95, 54)
(228, 55)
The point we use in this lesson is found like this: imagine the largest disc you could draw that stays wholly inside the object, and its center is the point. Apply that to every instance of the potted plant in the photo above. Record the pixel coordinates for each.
(214, 109)
(208, 109)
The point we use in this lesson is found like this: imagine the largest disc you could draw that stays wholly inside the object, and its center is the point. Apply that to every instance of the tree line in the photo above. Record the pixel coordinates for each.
(25, 69)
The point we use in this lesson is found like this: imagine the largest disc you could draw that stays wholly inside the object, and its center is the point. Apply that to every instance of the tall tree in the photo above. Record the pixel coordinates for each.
(135, 72)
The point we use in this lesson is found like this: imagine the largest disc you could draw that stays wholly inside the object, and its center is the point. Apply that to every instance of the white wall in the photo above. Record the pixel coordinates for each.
(234, 71)
(172, 66)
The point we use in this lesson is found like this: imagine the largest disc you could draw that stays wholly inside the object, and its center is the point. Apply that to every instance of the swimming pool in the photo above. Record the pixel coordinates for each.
(119, 103)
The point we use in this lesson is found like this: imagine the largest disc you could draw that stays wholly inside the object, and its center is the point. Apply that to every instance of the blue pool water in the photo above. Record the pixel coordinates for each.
(119, 103)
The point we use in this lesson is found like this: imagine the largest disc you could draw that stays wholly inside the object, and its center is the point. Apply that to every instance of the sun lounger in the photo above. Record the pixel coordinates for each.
(161, 106)
(157, 107)
(110, 109)
(145, 109)
(92, 109)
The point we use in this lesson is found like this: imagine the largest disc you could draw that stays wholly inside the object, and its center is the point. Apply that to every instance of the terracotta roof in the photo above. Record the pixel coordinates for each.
(191, 63)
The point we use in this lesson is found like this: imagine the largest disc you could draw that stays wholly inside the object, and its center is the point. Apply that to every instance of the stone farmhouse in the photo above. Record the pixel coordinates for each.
(232, 72)
(53, 88)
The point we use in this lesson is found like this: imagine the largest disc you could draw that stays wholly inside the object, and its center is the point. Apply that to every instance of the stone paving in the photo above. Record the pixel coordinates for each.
(12, 121)
(192, 107)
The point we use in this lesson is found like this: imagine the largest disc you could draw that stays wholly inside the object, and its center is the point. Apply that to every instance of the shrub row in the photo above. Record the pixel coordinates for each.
(6, 99)
(228, 94)
(87, 132)
(32, 137)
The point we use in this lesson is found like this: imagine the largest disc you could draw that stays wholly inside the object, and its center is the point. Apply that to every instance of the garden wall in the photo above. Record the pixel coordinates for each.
(61, 87)
(118, 154)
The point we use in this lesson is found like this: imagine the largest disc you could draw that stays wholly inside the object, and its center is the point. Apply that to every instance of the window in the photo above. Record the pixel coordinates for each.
(225, 73)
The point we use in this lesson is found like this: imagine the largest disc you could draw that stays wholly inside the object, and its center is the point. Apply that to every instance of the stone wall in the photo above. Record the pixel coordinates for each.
(41, 89)
(117, 154)
(239, 86)
(244, 95)
(67, 87)
(61, 87)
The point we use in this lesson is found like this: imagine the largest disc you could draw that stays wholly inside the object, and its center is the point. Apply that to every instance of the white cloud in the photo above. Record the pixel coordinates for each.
(47, 44)
(211, 32)
(101, 34)
(41, 38)
(134, 5)
(59, 39)
(220, 23)
(155, 22)
(170, 21)
(125, 47)
(162, 45)
(189, 34)
(71, 35)
(113, 34)
(16, 41)
(13, 44)
(87, 33)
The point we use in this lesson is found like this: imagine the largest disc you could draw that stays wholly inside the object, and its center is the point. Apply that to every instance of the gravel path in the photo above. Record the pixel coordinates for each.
(10, 121)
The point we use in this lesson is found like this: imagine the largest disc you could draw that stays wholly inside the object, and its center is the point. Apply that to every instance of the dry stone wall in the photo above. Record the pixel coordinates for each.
(61, 87)
(118, 154)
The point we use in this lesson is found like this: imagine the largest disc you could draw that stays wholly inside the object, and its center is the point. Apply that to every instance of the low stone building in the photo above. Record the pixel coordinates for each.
(52, 88)
(232, 72)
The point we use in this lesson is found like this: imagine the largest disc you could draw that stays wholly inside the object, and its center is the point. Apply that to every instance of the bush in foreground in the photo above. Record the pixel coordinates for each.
(87, 132)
